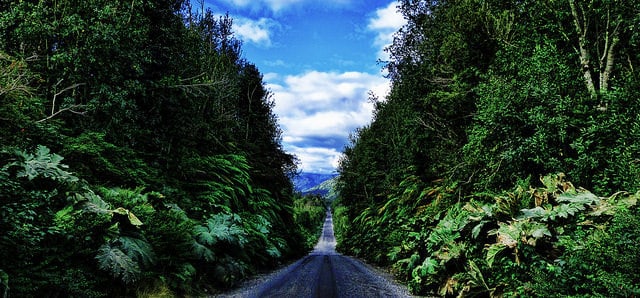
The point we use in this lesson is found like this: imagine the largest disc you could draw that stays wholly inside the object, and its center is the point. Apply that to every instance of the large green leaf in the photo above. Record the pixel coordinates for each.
(492, 251)
(43, 163)
(584, 198)
(117, 263)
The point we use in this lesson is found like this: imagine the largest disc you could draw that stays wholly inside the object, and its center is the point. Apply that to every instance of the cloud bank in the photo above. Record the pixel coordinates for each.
(258, 32)
(276, 6)
(318, 110)
(385, 23)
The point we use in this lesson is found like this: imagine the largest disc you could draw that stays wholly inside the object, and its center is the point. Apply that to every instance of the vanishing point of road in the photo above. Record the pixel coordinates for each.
(323, 273)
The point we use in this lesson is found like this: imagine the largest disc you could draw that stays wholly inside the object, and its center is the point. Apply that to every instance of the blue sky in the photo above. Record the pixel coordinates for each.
(319, 60)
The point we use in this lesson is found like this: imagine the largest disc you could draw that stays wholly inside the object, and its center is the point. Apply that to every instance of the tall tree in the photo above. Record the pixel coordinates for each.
(486, 95)
(598, 29)
(137, 96)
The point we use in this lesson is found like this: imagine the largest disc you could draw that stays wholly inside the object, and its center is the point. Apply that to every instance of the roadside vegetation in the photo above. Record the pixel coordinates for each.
(139, 156)
(504, 162)
(309, 214)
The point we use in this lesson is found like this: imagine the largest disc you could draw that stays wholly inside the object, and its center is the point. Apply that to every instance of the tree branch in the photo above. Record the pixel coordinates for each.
(69, 109)
(53, 104)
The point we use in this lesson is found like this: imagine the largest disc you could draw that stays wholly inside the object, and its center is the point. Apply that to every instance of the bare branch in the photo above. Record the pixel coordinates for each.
(608, 55)
(53, 105)
(192, 78)
(67, 109)
(187, 86)
(441, 81)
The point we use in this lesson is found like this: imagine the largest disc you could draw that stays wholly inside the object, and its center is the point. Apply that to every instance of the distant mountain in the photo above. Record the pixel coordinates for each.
(327, 189)
(306, 181)
(314, 183)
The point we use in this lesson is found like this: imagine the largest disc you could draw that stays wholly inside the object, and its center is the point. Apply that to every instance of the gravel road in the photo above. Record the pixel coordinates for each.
(322, 273)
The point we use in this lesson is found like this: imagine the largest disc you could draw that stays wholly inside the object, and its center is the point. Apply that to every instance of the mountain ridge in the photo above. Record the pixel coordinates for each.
(305, 181)
(316, 183)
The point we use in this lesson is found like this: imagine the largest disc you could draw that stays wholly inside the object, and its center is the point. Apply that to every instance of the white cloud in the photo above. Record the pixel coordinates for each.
(241, 2)
(275, 63)
(255, 31)
(277, 5)
(317, 160)
(325, 91)
(270, 76)
(280, 5)
(385, 23)
(318, 110)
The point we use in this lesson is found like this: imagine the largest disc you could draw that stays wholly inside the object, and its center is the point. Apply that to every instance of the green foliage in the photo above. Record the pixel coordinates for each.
(136, 237)
(118, 264)
(225, 228)
(43, 163)
(486, 95)
(595, 260)
(219, 180)
(125, 258)
(179, 179)
(4, 278)
(470, 249)
(309, 212)
(96, 159)
(19, 108)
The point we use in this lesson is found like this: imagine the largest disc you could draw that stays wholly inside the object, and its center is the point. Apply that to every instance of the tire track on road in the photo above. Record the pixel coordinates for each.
(324, 273)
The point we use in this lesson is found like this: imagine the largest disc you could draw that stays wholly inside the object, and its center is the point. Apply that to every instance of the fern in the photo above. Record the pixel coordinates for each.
(449, 228)
(184, 273)
(229, 270)
(222, 178)
(263, 202)
(450, 251)
(127, 198)
(428, 267)
(258, 225)
(273, 251)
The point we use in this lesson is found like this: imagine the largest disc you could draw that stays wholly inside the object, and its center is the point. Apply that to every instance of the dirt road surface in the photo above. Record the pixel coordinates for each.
(323, 273)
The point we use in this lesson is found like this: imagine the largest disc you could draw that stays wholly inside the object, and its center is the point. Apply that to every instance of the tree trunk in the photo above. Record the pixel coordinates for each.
(580, 22)
(609, 42)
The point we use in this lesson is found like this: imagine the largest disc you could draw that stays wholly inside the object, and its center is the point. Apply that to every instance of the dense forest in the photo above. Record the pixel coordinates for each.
(505, 161)
(139, 156)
